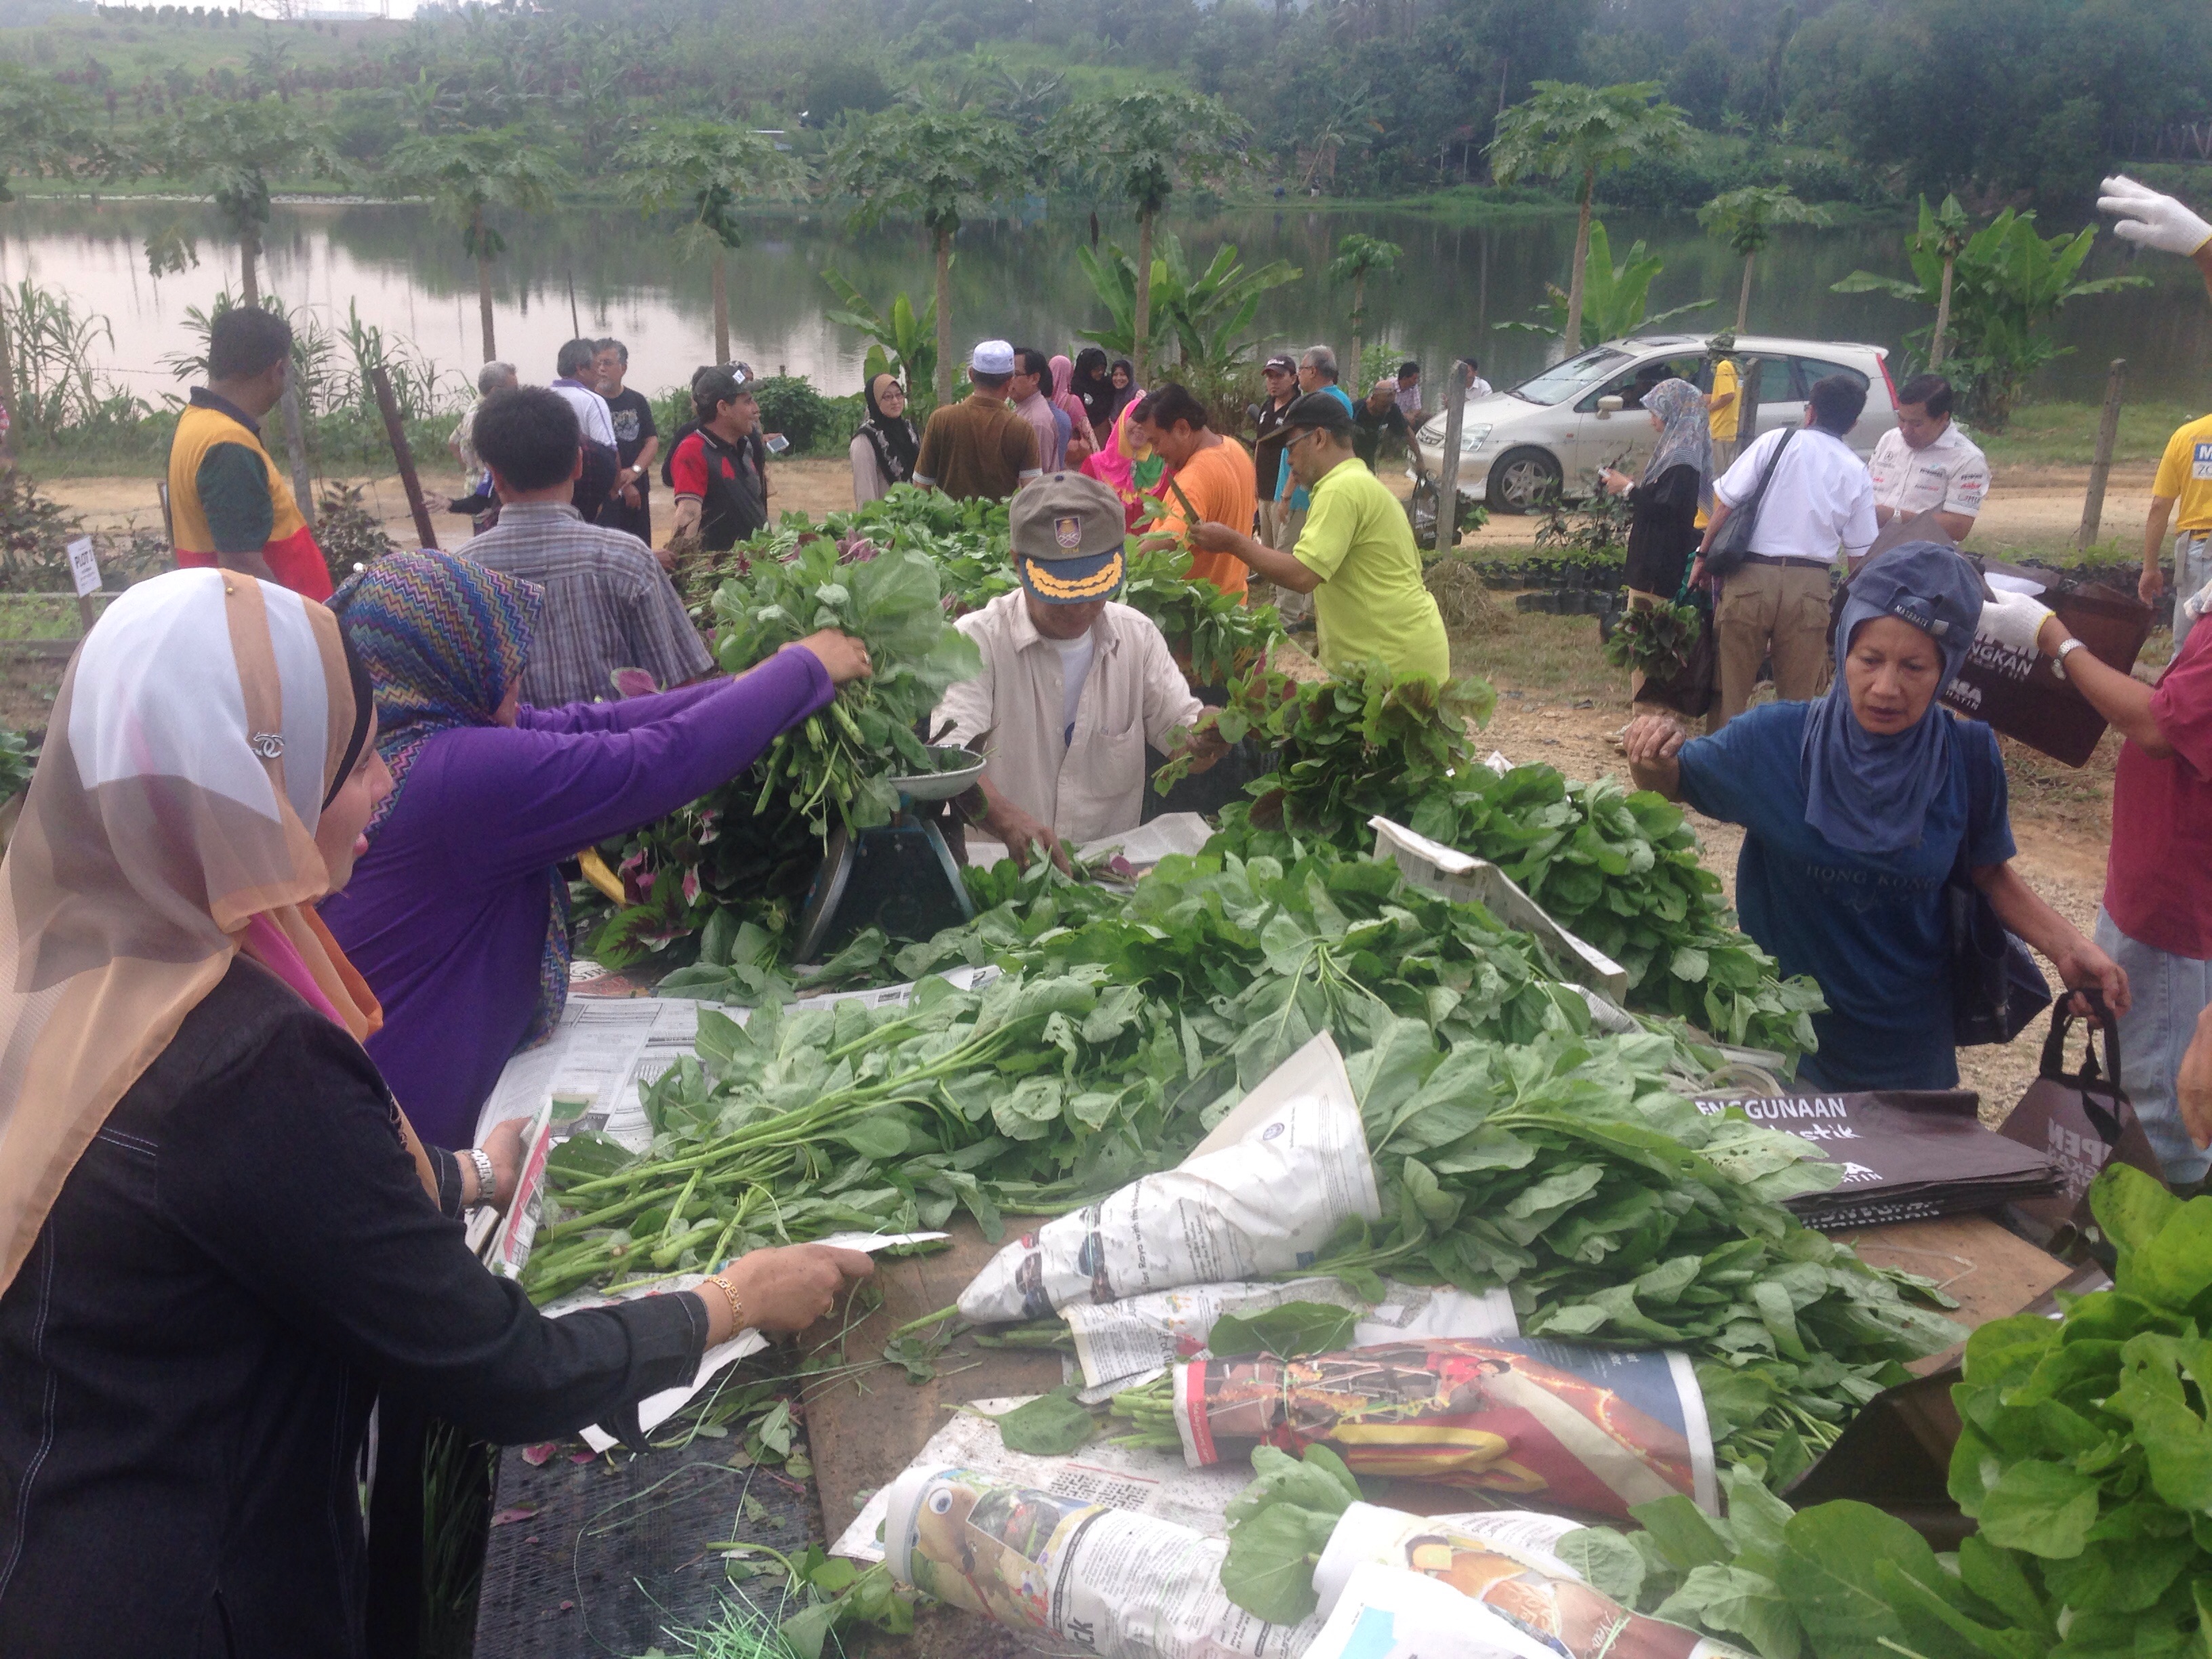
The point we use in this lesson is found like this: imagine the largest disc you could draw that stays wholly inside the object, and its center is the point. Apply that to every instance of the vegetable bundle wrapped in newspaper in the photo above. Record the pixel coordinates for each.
(1592, 1429)
(1261, 1195)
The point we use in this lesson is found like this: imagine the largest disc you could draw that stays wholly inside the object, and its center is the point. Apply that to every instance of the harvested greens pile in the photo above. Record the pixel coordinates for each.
(1656, 640)
(1618, 868)
(1512, 1146)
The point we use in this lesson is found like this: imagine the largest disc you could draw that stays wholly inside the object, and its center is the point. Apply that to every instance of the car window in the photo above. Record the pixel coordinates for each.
(1630, 384)
(1810, 369)
(1564, 382)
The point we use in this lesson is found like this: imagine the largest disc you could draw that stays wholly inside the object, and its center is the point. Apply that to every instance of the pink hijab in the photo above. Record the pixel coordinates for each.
(1129, 465)
(1063, 376)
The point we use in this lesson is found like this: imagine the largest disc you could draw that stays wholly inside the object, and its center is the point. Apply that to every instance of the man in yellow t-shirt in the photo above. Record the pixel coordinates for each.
(2184, 479)
(1356, 554)
(1723, 400)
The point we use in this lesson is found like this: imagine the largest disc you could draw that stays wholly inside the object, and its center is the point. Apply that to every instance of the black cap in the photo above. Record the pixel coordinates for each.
(1322, 409)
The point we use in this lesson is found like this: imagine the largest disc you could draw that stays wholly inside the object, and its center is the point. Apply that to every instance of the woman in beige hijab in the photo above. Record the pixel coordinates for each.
(219, 1238)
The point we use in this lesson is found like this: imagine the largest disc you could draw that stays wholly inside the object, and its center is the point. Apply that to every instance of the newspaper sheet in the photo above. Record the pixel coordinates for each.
(1596, 1430)
(1260, 1195)
(1386, 1613)
(1502, 1562)
(1139, 1478)
(1120, 1344)
(1072, 1576)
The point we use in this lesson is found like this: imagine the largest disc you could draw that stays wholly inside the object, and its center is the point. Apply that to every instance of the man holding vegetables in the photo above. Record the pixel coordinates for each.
(1073, 686)
(1355, 555)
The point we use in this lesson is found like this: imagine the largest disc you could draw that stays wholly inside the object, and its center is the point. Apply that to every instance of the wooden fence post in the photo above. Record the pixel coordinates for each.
(2108, 431)
(389, 406)
(1448, 468)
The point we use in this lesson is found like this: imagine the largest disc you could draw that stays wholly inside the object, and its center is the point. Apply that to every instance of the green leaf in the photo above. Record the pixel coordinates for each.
(2042, 1508)
(1051, 1425)
(1290, 1331)
(1832, 1555)
(1686, 1535)
(1268, 1570)
(882, 1136)
(1606, 1560)
(2130, 1206)
(1737, 1599)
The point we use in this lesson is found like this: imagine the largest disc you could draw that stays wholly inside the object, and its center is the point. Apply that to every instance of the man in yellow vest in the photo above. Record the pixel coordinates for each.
(228, 505)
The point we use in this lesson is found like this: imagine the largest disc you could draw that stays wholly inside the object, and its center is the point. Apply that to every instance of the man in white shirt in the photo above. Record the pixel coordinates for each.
(576, 380)
(1073, 686)
(1927, 463)
(1777, 601)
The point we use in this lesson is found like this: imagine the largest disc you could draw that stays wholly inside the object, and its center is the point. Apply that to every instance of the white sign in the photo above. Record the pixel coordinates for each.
(84, 566)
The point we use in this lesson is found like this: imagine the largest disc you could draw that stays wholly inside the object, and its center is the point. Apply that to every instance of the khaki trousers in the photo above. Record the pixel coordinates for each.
(1780, 610)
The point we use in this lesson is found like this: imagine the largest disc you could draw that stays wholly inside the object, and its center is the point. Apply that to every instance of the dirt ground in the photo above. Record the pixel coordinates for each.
(2061, 817)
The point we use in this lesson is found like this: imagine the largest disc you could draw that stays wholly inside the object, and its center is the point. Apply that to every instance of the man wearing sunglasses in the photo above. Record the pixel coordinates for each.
(1355, 554)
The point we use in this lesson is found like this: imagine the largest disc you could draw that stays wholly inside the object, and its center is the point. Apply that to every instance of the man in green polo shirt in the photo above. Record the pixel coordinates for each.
(1356, 554)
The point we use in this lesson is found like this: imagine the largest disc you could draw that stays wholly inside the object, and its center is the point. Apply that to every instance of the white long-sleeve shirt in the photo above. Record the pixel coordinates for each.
(1091, 783)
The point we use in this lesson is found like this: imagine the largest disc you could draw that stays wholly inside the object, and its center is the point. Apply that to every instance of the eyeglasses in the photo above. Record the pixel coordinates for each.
(891, 392)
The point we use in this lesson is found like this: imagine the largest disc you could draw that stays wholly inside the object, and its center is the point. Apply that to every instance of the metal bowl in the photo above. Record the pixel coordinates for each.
(943, 785)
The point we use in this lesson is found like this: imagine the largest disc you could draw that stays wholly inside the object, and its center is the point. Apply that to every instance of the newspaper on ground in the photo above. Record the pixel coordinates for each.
(1504, 1561)
(1142, 847)
(1385, 1612)
(1142, 1480)
(1595, 1430)
(1122, 1345)
(1260, 1194)
(657, 1408)
(1071, 1577)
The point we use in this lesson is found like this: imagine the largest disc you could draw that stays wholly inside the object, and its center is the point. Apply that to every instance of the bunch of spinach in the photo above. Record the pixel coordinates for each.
(1218, 633)
(1619, 868)
(1277, 1527)
(1656, 640)
(966, 540)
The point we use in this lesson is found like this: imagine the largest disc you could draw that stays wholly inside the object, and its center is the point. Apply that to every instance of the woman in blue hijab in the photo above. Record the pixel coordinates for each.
(1856, 807)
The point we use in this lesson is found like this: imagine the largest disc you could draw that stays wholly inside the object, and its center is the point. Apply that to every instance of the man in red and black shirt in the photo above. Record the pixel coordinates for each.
(719, 489)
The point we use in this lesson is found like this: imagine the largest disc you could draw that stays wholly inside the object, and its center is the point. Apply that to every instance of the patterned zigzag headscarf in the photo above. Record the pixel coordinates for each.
(443, 638)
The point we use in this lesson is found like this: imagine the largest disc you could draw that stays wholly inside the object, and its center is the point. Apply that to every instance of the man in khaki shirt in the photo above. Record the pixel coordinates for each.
(1074, 685)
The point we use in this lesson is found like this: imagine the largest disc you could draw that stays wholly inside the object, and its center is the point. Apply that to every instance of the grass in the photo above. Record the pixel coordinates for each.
(2065, 433)
(1537, 655)
(43, 615)
(337, 444)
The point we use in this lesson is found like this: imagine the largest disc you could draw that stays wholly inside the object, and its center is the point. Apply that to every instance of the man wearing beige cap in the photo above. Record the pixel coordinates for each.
(1074, 685)
(979, 447)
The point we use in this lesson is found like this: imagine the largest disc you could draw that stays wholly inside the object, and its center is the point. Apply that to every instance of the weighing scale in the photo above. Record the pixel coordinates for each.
(900, 876)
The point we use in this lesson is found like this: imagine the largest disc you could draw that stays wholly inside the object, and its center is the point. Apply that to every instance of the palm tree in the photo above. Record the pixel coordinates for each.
(705, 168)
(1943, 232)
(469, 176)
(229, 149)
(1569, 130)
(1745, 220)
(1138, 147)
(1356, 258)
(941, 165)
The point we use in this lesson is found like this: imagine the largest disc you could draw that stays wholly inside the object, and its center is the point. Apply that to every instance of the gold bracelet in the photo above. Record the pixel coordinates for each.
(730, 1294)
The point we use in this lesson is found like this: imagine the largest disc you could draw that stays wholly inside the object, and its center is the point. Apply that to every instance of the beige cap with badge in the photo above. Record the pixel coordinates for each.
(1067, 534)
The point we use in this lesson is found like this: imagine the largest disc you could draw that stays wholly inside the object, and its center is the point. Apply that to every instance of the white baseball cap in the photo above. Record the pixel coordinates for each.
(992, 357)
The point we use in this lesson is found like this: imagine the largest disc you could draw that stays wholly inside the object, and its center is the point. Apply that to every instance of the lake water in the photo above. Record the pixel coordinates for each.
(408, 275)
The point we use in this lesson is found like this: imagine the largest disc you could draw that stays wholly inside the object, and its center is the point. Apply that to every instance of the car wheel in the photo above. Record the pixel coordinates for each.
(1520, 479)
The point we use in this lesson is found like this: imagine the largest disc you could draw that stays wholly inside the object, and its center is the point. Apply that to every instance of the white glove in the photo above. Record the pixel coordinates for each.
(2151, 219)
(2012, 620)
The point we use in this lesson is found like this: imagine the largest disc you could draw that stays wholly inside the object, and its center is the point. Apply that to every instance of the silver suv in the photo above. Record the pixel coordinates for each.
(1516, 446)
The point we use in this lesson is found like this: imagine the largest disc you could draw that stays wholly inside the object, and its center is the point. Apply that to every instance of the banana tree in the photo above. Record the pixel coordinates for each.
(2004, 286)
(1946, 231)
(1356, 258)
(902, 342)
(1201, 317)
(1615, 297)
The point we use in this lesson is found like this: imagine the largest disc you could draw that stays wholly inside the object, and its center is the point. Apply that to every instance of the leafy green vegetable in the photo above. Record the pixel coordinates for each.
(1051, 1425)
(1656, 640)
(1277, 1527)
(1289, 1332)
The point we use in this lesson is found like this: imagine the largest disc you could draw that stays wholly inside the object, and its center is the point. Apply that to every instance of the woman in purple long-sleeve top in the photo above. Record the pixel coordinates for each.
(457, 915)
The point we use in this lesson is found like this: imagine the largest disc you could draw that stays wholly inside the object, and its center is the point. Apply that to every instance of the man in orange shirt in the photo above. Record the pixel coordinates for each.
(228, 505)
(1211, 482)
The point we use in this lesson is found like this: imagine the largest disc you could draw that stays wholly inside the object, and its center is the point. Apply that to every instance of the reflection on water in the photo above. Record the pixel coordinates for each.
(409, 276)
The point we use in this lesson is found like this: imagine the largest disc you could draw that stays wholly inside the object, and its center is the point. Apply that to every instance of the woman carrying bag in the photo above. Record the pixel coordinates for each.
(1663, 507)
(1856, 807)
